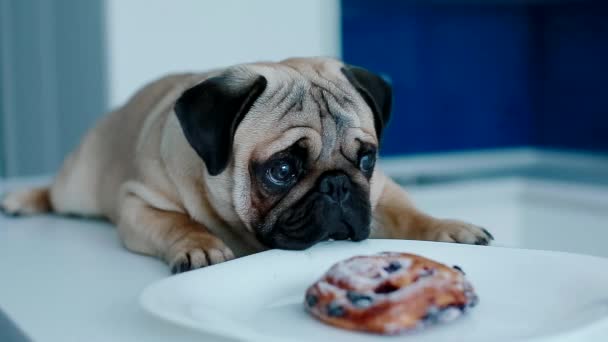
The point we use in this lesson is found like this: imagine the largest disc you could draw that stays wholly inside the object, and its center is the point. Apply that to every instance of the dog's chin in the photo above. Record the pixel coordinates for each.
(283, 241)
(288, 237)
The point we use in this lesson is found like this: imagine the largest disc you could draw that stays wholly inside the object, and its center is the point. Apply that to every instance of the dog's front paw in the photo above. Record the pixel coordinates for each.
(459, 232)
(196, 250)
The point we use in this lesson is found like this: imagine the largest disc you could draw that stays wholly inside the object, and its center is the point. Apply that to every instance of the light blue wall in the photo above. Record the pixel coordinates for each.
(53, 80)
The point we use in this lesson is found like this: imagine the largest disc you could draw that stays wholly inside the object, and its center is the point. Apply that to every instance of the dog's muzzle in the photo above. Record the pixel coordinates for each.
(335, 208)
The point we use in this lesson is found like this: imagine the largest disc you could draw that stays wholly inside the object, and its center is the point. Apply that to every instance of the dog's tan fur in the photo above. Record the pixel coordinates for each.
(136, 168)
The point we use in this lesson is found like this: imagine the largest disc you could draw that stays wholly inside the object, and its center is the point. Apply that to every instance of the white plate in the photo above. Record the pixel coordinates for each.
(524, 295)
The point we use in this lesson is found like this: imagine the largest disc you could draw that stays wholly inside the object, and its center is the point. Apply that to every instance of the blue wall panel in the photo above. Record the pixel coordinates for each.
(574, 78)
(481, 76)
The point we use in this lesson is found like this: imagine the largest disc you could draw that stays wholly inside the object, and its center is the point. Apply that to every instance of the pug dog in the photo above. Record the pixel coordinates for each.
(200, 168)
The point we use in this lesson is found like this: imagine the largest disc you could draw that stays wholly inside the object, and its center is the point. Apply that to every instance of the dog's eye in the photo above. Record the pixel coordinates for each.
(367, 162)
(282, 172)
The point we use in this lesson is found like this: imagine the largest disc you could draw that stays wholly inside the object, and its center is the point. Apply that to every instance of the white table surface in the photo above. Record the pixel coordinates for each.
(71, 280)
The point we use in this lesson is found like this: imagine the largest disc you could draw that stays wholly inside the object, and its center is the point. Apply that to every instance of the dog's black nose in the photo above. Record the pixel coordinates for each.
(336, 185)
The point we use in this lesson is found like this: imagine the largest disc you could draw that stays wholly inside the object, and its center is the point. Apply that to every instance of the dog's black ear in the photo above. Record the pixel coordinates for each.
(210, 112)
(376, 92)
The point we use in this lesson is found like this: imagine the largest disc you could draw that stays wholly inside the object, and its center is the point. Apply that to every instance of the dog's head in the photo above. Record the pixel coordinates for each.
(294, 143)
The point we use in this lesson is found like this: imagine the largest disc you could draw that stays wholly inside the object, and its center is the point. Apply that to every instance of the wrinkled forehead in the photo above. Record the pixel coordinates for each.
(311, 104)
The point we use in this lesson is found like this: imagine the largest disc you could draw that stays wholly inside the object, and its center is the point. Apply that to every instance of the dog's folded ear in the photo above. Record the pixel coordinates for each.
(376, 92)
(210, 112)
